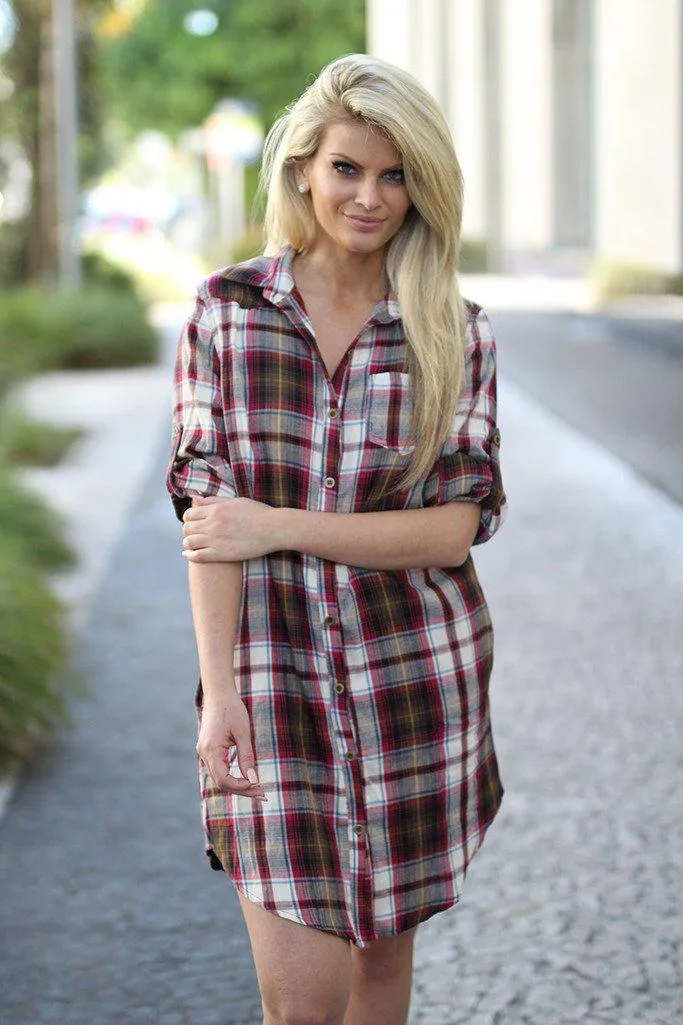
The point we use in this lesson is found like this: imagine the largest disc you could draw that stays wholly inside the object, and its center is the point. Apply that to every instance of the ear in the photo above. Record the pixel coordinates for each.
(301, 175)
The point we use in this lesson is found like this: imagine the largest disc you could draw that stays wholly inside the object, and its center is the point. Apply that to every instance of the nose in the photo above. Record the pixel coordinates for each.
(368, 193)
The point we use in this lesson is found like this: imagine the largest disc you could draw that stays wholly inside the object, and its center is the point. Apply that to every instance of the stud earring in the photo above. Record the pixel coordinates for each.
(303, 187)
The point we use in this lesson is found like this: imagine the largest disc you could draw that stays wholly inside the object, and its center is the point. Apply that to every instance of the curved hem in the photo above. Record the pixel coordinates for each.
(356, 941)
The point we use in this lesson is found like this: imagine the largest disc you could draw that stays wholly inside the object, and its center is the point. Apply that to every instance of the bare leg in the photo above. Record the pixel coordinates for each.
(304, 974)
(381, 979)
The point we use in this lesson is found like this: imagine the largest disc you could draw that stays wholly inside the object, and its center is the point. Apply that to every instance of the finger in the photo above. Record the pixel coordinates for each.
(193, 513)
(229, 784)
(209, 500)
(201, 555)
(246, 759)
(195, 541)
(219, 773)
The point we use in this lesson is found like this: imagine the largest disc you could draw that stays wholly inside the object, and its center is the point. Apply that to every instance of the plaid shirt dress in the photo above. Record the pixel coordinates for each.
(367, 689)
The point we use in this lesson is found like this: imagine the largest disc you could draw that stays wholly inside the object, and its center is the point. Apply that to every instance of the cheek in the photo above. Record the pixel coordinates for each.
(401, 207)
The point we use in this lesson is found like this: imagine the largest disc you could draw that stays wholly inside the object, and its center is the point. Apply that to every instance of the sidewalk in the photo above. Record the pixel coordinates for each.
(572, 911)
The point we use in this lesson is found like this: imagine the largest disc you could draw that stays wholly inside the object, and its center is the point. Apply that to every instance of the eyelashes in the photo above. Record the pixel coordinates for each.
(346, 170)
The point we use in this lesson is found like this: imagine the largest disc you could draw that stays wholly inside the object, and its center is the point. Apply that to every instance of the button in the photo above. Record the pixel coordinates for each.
(329, 482)
(358, 830)
(350, 756)
(328, 621)
(339, 688)
(495, 438)
(333, 414)
(175, 430)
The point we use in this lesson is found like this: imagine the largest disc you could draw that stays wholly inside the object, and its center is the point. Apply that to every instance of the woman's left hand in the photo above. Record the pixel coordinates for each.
(229, 530)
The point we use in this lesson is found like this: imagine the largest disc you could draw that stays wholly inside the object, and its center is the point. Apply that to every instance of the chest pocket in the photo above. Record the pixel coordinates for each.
(389, 411)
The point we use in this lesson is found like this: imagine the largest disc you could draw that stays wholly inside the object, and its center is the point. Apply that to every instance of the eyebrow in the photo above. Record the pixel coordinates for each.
(350, 160)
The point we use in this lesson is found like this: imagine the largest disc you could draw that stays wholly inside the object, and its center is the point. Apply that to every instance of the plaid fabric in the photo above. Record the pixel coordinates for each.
(367, 689)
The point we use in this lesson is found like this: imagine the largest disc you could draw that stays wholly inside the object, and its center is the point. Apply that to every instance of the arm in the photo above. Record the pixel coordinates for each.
(217, 530)
(215, 592)
(401, 539)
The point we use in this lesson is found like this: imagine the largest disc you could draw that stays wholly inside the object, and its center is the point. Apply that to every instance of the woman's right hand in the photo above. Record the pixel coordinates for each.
(225, 724)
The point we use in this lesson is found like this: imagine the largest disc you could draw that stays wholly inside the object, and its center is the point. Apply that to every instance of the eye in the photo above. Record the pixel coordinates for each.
(396, 175)
(343, 167)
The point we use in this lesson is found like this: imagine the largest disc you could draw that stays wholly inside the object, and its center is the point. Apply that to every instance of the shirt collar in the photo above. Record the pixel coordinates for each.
(279, 284)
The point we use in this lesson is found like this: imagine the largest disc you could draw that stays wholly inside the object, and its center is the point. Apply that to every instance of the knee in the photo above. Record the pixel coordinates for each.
(311, 1015)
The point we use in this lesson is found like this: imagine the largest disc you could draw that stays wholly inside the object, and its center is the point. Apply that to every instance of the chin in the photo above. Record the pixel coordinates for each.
(365, 244)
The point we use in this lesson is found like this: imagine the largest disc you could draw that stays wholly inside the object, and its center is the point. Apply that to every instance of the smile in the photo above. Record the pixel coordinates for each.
(364, 223)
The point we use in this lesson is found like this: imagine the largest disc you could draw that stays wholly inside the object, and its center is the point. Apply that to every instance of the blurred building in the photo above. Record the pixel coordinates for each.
(567, 117)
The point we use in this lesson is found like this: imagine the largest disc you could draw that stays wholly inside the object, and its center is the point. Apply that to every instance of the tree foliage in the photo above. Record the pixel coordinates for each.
(28, 249)
(157, 75)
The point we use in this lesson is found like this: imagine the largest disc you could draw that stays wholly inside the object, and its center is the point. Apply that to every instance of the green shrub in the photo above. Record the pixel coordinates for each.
(35, 533)
(611, 279)
(33, 649)
(474, 256)
(33, 442)
(100, 272)
(48, 330)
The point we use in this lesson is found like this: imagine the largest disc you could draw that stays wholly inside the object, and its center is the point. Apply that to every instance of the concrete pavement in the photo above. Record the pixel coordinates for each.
(572, 911)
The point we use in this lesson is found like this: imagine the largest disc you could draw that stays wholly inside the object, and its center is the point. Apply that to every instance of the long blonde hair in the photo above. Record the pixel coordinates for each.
(422, 258)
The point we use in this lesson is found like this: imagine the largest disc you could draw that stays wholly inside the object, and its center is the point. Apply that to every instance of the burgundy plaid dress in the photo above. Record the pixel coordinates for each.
(367, 689)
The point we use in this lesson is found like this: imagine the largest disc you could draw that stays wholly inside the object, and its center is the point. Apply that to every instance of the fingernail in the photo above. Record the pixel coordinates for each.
(251, 776)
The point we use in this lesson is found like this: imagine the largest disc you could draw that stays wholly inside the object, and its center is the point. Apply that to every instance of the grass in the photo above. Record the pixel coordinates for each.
(34, 532)
(33, 442)
(612, 280)
(33, 635)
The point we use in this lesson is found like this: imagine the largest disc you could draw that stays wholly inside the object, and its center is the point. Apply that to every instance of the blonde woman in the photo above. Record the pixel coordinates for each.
(336, 441)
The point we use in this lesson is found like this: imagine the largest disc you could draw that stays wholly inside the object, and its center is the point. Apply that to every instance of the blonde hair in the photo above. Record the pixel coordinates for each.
(422, 258)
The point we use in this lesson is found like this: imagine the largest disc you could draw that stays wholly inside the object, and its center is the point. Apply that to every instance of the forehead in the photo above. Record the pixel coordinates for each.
(362, 142)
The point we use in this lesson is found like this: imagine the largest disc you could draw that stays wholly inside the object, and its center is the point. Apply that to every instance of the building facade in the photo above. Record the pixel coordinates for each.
(567, 117)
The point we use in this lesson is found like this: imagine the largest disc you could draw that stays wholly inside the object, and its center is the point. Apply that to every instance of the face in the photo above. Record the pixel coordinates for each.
(357, 188)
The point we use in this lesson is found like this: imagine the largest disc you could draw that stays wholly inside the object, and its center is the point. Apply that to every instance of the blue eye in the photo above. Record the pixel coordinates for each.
(344, 168)
(396, 176)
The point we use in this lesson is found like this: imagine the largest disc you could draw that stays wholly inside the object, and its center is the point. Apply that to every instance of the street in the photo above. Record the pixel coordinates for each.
(620, 381)
(572, 910)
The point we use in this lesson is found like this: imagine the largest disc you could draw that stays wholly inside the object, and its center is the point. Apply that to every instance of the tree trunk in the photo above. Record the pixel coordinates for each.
(44, 246)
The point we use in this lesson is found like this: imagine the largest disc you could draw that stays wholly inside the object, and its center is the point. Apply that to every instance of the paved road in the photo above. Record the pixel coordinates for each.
(618, 380)
(572, 912)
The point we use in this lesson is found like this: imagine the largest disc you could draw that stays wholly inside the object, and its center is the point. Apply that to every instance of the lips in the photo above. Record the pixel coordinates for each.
(364, 223)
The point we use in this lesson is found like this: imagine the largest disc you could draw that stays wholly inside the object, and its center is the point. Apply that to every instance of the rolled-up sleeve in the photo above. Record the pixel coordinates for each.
(468, 467)
(200, 464)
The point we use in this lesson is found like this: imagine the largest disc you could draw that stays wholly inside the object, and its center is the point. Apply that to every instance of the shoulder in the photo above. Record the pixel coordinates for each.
(242, 283)
(479, 333)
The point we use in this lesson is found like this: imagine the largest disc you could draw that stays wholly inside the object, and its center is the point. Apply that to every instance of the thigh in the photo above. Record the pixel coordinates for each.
(300, 970)
(391, 955)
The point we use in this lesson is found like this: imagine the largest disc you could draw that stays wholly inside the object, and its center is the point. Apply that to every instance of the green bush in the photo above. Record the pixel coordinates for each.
(610, 280)
(34, 532)
(33, 649)
(47, 330)
(100, 272)
(33, 634)
(33, 442)
(474, 256)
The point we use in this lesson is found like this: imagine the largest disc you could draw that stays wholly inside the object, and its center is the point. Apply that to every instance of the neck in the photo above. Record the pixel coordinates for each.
(340, 273)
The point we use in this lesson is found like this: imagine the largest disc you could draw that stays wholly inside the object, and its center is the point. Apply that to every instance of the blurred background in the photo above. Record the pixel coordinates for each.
(130, 137)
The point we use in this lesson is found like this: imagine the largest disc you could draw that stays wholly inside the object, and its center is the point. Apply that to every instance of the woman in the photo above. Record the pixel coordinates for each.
(335, 436)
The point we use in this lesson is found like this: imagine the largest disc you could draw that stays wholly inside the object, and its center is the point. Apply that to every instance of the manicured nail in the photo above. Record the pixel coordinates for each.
(251, 776)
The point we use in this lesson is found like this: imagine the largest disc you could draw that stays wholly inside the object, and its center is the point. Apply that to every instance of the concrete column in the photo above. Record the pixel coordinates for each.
(467, 108)
(525, 126)
(639, 132)
(388, 27)
(572, 156)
